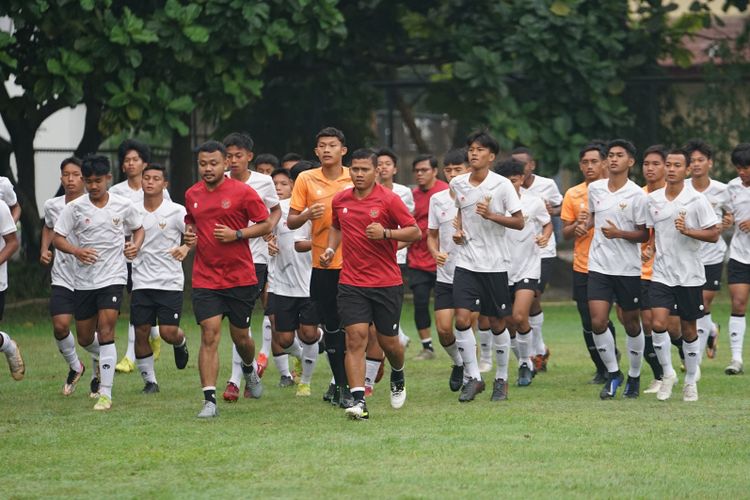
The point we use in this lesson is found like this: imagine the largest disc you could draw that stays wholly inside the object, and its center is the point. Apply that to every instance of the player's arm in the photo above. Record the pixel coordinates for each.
(45, 255)
(11, 247)
(408, 234)
(710, 234)
(553, 209)
(544, 237)
(296, 219)
(274, 216)
(133, 245)
(15, 212)
(85, 255)
(334, 240)
(433, 245)
(514, 221)
(302, 246)
(637, 235)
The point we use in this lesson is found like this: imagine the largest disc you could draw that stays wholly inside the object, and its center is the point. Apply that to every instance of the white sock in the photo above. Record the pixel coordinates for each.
(523, 341)
(8, 346)
(605, 344)
(295, 349)
(282, 364)
(501, 346)
(265, 347)
(146, 367)
(692, 359)
(107, 360)
(236, 376)
(704, 326)
(736, 335)
(485, 346)
(402, 337)
(130, 352)
(452, 351)
(93, 348)
(371, 371)
(635, 346)
(309, 360)
(154, 332)
(663, 349)
(537, 339)
(467, 347)
(67, 348)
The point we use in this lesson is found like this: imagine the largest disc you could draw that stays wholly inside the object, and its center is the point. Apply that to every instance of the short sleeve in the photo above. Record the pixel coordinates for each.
(640, 208)
(335, 212)
(304, 233)
(48, 215)
(299, 194)
(511, 201)
(432, 219)
(567, 212)
(255, 209)
(706, 215)
(270, 198)
(555, 197)
(409, 201)
(592, 199)
(542, 215)
(65, 223)
(7, 225)
(649, 217)
(400, 214)
(133, 218)
(7, 193)
(180, 217)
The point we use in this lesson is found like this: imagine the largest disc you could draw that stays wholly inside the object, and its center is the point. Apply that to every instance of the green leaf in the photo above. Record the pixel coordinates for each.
(54, 67)
(560, 8)
(197, 34)
(183, 104)
(87, 5)
(134, 112)
(118, 100)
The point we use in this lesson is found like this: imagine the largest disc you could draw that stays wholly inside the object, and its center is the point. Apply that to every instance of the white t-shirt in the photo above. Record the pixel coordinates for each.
(407, 197)
(134, 195)
(484, 249)
(104, 230)
(291, 268)
(7, 226)
(739, 205)
(525, 254)
(154, 268)
(63, 264)
(7, 194)
(677, 261)
(263, 185)
(546, 189)
(440, 216)
(626, 208)
(717, 195)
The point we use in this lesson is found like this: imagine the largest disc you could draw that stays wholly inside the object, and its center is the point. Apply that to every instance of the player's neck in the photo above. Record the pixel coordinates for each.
(428, 186)
(72, 196)
(387, 183)
(213, 186)
(653, 186)
(673, 190)
(528, 181)
(101, 202)
(134, 183)
(153, 201)
(332, 172)
(478, 175)
(701, 183)
(617, 180)
(363, 193)
(241, 176)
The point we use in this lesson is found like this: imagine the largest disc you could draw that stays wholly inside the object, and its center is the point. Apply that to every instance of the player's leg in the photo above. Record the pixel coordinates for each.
(62, 306)
(386, 307)
(522, 303)
(628, 294)
(444, 324)
(106, 319)
(708, 330)
(374, 359)
(739, 289)
(11, 350)
(485, 343)
(421, 283)
(600, 291)
(580, 296)
(169, 313)
(240, 302)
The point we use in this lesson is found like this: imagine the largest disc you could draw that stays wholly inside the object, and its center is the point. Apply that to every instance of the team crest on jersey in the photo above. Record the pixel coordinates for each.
(87, 221)
(346, 210)
(374, 213)
(226, 203)
(623, 205)
(116, 221)
(162, 224)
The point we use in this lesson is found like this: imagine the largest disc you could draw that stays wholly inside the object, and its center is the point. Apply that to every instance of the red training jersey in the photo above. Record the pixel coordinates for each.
(233, 203)
(369, 263)
(419, 256)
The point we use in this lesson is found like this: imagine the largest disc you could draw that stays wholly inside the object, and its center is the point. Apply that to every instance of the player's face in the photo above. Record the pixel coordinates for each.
(264, 168)
(700, 165)
(211, 167)
(676, 168)
(529, 165)
(132, 164)
(96, 186)
(363, 173)
(283, 185)
(330, 151)
(619, 160)
(71, 179)
(517, 180)
(653, 168)
(238, 159)
(153, 182)
(451, 171)
(386, 168)
(480, 156)
(591, 165)
(424, 174)
(744, 174)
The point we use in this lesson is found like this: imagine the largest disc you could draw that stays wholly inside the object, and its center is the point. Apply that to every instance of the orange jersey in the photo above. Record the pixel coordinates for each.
(647, 268)
(314, 187)
(576, 199)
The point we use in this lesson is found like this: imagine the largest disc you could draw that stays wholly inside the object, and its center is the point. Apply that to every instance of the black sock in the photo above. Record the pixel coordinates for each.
(210, 395)
(427, 345)
(397, 376)
(358, 395)
(650, 356)
(246, 369)
(678, 344)
(588, 337)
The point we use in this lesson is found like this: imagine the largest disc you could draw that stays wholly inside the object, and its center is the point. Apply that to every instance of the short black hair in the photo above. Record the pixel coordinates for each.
(694, 145)
(455, 157)
(594, 146)
(509, 168)
(331, 132)
(421, 158)
(680, 151)
(365, 154)
(389, 153)
(625, 144)
(160, 168)
(281, 171)
(301, 166)
(133, 145)
(484, 139)
(95, 166)
(658, 149)
(212, 146)
(71, 159)
(268, 159)
(521, 150)
(291, 157)
(240, 140)
(741, 155)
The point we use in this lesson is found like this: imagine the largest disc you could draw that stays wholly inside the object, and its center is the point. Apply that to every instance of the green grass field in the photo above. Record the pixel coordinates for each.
(552, 439)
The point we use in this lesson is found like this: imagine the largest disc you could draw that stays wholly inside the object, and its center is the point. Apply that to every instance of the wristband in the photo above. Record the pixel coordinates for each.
(384, 235)
(238, 234)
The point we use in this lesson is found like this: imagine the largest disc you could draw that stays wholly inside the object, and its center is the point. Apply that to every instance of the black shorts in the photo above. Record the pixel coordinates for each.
(713, 276)
(290, 312)
(487, 293)
(381, 306)
(235, 303)
(580, 286)
(645, 297)
(270, 301)
(324, 288)
(148, 305)
(61, 301)
(547, 264)
(686, 301)
(626, 289)
(89, 302)
(418, 277)
(443, 296)
(738, 273)
(261, 273)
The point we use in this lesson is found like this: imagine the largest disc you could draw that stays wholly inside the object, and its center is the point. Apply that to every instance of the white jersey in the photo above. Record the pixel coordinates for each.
(264, 186)
(102, 229)
(7, 226)
(63, 264)
(154, 268)
(7, 194)
(739, 205)
(677, 260)
(441, 215)
(407, 197)
(134, 195)
(626, 208)
(546, 189)
(292, 268)
(717, 195)
(484, 249)
(525, 254)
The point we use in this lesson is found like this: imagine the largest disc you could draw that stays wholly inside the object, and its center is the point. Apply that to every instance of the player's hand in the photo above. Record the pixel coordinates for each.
(131, 251)
(375, 231)
(316, 211)
(583, 217)
(679, 223)
(548, 206)
(46, 257)
(326, 257)
(647, 253)
(86, 255)
(179, 253)
(542, 240)
(459, 238)
(225, 234)
(441, 258)
(610, 230)
(189, 238)
(744, 226)
(273, 246)
(483, 207)
(727, 221)
(581, 230)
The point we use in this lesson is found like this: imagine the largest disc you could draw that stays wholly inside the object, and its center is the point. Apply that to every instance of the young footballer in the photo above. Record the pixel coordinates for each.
(8, 246)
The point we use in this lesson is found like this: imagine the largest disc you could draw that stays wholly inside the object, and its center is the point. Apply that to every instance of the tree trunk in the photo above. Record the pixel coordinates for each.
(92, 136)
(22, 138)
(183, 171)
(407, 117)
